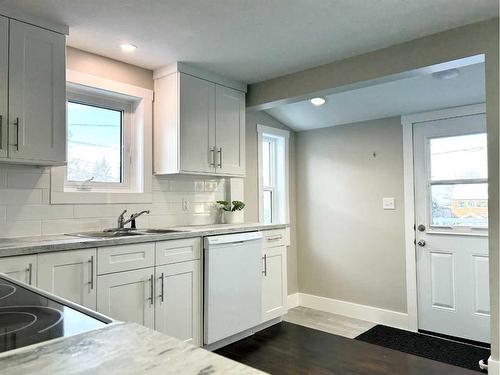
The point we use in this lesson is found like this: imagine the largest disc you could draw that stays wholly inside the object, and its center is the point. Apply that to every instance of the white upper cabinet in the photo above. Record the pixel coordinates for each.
(230, 130)
(4, 77)
(199, 124)
(37, 95)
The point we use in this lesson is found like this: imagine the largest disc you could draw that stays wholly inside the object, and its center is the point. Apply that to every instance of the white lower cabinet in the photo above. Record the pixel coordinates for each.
(70, 275)
(21, 268)
(178, 302)
(274, 283)
(127, 296)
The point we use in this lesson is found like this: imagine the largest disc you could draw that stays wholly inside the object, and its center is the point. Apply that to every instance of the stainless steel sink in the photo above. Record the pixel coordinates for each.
(123, 233)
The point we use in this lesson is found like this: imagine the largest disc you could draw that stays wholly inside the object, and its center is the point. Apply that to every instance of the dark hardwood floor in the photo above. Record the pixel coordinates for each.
(287, 348)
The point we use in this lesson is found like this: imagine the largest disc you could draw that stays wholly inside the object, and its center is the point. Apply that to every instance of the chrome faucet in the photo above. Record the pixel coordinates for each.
(122, 222)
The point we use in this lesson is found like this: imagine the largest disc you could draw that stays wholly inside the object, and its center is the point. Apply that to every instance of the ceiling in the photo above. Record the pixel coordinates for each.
(249, 40)
(405, 96)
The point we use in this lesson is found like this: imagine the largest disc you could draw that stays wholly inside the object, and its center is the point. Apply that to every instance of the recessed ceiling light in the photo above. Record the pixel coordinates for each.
(318, 101)
(127, 47)
(446, 74)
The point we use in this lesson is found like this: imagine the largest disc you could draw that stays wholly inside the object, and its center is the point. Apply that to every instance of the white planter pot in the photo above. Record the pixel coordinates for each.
(231, 217)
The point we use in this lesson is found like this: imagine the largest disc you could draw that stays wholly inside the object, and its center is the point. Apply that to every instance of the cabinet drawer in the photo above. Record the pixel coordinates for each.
(273, 238)
(174, 251)
(125, 257)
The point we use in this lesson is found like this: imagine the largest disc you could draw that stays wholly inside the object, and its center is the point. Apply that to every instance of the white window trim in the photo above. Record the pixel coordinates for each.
(141, 145)
(263, 131)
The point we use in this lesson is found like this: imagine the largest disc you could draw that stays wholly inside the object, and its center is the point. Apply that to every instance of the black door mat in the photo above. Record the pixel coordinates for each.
(442, 350)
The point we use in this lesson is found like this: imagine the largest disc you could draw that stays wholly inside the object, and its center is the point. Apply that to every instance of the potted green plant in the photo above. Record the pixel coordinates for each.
(229, 211)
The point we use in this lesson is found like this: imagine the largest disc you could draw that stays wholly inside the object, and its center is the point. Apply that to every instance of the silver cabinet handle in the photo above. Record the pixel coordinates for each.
(30, 273)
(219, 151)
(274, 238)
(162, 295)
(91, 262)
(212, 156)
(151, 290)
(16, 124)
(1, 133)
(264, 272)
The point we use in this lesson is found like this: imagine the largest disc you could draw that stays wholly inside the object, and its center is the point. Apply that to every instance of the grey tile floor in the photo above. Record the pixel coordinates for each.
(327, 322)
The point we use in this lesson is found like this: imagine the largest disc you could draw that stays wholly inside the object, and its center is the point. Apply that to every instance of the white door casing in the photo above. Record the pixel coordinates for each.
(452, 250)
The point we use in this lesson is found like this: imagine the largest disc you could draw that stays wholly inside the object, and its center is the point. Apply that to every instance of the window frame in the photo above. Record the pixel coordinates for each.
(280, 190)
(141, 119)
(106, 101)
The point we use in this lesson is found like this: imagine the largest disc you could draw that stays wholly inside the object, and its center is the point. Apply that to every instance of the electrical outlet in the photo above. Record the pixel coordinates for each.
(388, 203)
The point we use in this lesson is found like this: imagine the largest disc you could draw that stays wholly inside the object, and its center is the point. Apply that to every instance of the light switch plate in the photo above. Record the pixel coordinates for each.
(388, 203)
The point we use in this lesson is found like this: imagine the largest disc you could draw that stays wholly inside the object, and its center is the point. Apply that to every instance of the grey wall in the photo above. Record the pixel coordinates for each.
(252, 187)
(349, 247)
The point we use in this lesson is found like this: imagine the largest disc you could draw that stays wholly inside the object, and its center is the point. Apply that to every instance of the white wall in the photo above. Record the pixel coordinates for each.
(24, 190)
(350, 249)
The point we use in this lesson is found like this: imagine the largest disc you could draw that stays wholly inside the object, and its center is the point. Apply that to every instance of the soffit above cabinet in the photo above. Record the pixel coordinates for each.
(9, 12)
(188, 69)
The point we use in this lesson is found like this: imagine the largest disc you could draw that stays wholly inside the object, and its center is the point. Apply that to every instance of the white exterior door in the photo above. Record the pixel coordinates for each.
(178, 302)
(128, 296)
(230, 130)
(37, 94)
(4, 73)
(451, 213)
(70, 275)
(197, 124)
(21, 268)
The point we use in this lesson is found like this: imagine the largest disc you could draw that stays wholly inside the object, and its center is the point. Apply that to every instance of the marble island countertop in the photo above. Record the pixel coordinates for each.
(41, 244)
(119, 348)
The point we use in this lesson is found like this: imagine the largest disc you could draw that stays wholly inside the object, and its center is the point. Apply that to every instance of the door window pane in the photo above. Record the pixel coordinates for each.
(267, 206)
(460, 205)
(94, 143)
(460, 157)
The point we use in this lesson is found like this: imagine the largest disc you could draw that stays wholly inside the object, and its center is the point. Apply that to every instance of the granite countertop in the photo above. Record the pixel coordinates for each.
(124, 348)
(42, 244)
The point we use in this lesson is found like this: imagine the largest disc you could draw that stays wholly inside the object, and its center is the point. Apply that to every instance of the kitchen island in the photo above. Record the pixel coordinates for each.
(119, 348)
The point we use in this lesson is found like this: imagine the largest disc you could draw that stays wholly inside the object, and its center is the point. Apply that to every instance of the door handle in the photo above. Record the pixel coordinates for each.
(151, 290)
(91, 262)
(1, 132)
(16, 124)
(30, 273)
(264, 272)
(212, 156)
(219, 151)
(162, 295)
(421, 243)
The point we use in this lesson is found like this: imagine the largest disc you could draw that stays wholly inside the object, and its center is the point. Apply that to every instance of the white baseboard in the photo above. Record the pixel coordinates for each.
(354, 310)
(293, 300)
(493, 367)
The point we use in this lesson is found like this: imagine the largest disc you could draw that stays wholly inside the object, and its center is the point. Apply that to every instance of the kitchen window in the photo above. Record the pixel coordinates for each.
(273, 174)
(109, 140)
(98, 142)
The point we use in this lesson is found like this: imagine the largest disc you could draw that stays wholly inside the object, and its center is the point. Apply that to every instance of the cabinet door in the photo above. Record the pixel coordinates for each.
(274, 283)
(178, 303)
(70, 275)
(37, 94)
(127, 296)
(4, 72)
(197, 124)
(230, 131)
(21, 268)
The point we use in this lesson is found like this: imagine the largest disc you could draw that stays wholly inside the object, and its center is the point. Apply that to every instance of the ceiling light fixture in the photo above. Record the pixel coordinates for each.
(318, 101)
(446, 74)
(127, 47)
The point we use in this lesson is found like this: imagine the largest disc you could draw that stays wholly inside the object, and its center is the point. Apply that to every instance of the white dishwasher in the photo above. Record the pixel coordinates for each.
(233, 280)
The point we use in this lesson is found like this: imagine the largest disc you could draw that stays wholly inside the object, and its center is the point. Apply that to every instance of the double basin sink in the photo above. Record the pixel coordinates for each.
(124, 233)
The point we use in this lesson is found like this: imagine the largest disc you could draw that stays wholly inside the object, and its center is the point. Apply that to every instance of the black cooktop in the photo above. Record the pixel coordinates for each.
(27, 317)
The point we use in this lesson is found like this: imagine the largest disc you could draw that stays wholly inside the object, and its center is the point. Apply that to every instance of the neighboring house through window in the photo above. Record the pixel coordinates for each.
(273, 155)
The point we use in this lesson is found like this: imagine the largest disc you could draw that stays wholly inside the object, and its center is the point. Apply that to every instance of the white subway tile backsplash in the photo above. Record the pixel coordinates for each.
(25, 208)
